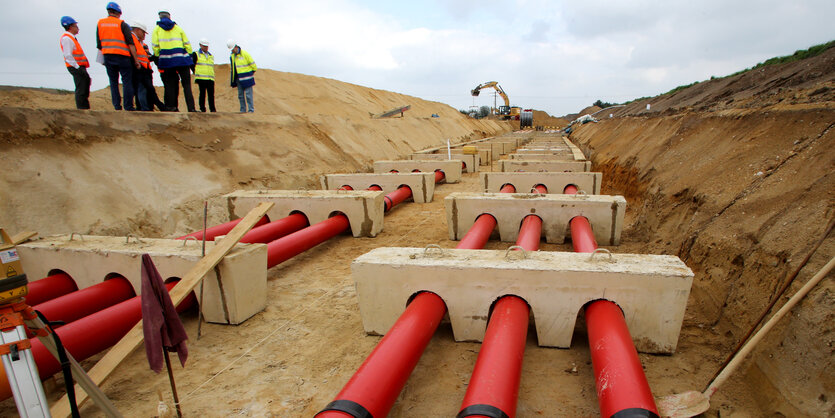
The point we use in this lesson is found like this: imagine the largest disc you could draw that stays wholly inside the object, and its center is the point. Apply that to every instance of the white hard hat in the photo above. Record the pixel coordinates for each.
(136, 24)
(230, 44)
(204, 41)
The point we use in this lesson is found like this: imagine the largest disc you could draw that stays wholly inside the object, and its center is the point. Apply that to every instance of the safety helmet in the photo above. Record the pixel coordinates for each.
(204, 41)
(66, 21)
(114, 6)
(231, 44)
(139, 25)
(164, 13)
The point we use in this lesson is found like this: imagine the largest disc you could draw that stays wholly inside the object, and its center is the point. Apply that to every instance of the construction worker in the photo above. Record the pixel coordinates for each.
(174, 60)
(114, 40)
(204, 76)
(243, 75)
(142, 81)
(76, 62)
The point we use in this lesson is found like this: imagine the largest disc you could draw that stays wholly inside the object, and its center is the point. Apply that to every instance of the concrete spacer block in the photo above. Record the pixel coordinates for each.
(483, 155)
(543, 165)
(471, 160)
(492, 182)
(543, 156)
(605, 213)
(452, 169)
(496, 149)
(507, 145)
(422, 184)
(90, 259)
(364, 209)
(652, 290)
(578, 153)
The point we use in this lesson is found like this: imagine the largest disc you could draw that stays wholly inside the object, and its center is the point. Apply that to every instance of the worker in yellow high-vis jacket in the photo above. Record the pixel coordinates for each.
(204, 76)
(243, 75)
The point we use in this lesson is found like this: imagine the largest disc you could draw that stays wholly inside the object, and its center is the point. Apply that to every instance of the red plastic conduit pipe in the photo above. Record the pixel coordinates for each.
(221, 229)
(275, 229)
(394, 198)
(289, 246)
(374, 387)
(81, 303)
(49, 288)
(622, 386)
(494, 385)
(89, 335)
(439, 176)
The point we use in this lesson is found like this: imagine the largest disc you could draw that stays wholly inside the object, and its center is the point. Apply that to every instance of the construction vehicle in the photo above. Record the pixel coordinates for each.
(507, 111)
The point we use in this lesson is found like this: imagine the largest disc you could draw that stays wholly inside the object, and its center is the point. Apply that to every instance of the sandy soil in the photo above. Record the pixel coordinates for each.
(740, 189)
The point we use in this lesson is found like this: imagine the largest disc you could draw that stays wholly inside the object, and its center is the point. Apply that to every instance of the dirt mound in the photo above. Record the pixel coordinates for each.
(108, 172)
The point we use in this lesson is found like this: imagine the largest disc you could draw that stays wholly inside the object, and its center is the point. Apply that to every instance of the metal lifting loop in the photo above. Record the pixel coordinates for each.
(516, 247)
(128, 237)
(185, 240)
(76, 233)
(426, 249)
(602, 251)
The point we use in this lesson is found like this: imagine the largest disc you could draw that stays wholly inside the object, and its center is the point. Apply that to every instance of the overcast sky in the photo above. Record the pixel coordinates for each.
(556, 56)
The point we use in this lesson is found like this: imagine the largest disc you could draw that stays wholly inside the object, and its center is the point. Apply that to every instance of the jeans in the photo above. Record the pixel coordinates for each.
(170, 78)
(117, 65)
(245, 97)
(144, 82)
(206, 86)
(82, 87)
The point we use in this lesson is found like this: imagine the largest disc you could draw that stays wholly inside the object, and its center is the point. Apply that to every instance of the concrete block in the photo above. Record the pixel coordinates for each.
(578, 154)
(91, 259)
(471, 160)
(543, 165)
(452, 169)
(507, 145)
(652, 290)
(485, 155)
(496, 149)
(605, 213)
(540, 157)
(492, 182)
(364, 209)
(422, 184)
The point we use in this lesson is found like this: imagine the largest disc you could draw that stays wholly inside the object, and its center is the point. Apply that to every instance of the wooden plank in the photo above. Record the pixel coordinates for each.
(24, 236)
(190, 280)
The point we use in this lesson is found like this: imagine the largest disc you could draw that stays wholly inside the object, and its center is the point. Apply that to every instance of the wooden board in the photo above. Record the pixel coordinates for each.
(134, 337)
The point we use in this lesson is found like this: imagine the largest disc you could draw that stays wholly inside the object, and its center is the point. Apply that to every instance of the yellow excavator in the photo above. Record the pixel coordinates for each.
(507, 111)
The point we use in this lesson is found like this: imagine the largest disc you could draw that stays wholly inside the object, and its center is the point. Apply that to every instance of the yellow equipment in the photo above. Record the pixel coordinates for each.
(507, 111)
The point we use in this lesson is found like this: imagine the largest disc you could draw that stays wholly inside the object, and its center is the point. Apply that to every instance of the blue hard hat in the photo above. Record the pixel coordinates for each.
(113, 6)
(66, 21)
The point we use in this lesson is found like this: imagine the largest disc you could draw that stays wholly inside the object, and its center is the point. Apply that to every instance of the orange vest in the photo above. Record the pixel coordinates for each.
(141, 55)
(111, 37)
(77, 52)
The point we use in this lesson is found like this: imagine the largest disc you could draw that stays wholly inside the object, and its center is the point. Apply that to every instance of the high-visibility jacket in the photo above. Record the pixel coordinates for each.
(243, 69)
(141, 54)
(172, 47)
(77, 52)
(205, 69)
(111, 37)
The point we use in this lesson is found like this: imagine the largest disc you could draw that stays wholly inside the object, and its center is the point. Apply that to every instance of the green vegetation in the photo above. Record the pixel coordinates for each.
(601, 104)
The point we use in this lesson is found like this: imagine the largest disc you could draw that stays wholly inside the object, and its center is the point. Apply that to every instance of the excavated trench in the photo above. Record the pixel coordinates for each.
(745, 199)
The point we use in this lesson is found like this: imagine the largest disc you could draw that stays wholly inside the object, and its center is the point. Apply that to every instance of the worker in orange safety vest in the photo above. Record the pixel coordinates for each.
(76, 62)
(114, 40)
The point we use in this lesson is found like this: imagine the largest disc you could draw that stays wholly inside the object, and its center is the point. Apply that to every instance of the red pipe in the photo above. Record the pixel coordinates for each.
(89, 336)
(276, 229)
(508, 188)
(374, 387)
(289, 246)
(530, 233)
(541, 189)
(494, 385)
(479, 233)
(398, 196)
(49, 288)
(582, 237)
(439, 176)
(221, 229)
(81, 303)
(570, 189)
(622, 386)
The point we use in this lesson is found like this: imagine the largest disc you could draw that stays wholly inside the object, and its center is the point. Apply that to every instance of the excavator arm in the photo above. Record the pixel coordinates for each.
(497, 87)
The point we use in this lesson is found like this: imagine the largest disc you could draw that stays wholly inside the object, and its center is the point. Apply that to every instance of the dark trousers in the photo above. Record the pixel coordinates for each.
(143, 81)
(170, 78)
(117, 65)
(206, 86)
(82, 87)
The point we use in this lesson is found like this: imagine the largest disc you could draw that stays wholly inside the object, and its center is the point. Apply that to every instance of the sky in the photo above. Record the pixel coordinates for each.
(557, 56)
